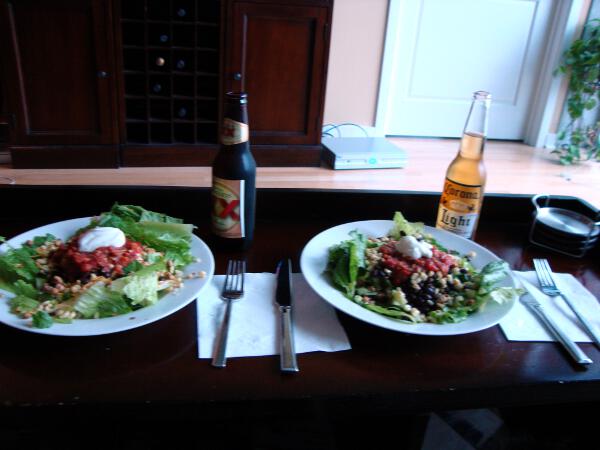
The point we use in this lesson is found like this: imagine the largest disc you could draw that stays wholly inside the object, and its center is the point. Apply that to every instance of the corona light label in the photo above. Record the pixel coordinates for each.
(459, 208)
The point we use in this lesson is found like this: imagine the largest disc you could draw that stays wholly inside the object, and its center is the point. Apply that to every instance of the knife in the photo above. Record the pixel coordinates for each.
(283, 296)
(576, 353)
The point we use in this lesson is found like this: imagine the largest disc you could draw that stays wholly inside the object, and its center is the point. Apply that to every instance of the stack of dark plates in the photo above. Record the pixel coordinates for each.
(564, 231)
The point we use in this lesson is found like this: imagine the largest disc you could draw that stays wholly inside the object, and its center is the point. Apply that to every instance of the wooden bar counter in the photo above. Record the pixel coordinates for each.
(513, 168)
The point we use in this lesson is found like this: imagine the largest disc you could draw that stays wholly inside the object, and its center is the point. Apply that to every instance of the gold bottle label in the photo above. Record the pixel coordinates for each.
(227, 215)
(234, 132)
(459, 208)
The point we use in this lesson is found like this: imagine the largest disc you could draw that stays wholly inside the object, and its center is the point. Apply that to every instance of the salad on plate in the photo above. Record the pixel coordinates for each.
(409, 276)
(125, 259)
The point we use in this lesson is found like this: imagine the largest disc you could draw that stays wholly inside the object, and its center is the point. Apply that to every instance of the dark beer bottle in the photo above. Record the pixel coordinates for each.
(233, 193)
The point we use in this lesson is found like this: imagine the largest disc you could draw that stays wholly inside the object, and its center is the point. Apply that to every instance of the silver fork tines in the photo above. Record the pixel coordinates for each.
(234, 279)
(233, 289)
(548, 286)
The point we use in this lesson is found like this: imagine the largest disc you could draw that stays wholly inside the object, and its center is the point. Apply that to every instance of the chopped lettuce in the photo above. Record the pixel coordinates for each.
(158, 231)
(139, 214)
(18, 263)
(100, 301)
(345, 260)
(141, 287)
(41, 319)
(22, 288)
(22, 304)
(403, 227)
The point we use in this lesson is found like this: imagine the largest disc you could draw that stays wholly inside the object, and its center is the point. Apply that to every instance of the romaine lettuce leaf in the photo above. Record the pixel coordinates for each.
(41, 319)
(99, 301)
(20, 287)
(18, 263)
(174, 238)
(401, 225)
(140, 287)
(345, 260)
(139, 214)
(22, 304)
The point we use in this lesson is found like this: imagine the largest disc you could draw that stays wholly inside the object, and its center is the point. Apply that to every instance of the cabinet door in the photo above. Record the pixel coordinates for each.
(277, 53)
(58, 71)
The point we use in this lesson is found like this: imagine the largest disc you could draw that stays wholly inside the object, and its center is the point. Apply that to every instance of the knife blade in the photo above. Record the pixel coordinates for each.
(283, 296)
(535, 306)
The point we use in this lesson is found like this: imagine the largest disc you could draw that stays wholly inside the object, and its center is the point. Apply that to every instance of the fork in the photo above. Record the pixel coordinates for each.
(544, 273)
(233, 289)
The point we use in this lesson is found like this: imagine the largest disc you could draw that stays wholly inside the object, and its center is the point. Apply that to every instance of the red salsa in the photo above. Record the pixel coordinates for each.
(73, 264)
(402, 267)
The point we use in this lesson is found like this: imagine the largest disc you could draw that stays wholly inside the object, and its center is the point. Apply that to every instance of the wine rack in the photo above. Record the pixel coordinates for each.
(171, 70)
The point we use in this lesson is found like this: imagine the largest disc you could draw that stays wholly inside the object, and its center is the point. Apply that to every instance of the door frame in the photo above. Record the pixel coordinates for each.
(548, 95)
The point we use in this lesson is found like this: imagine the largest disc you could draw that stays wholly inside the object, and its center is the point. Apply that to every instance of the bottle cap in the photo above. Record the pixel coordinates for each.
(482, 95)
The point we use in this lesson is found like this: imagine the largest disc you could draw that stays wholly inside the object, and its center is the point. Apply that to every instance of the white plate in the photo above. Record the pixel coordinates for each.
(314, 261)
(89, 327)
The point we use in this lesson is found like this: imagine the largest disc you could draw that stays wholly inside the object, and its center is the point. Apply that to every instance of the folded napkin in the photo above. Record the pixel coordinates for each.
(255, 320)
(522, 325)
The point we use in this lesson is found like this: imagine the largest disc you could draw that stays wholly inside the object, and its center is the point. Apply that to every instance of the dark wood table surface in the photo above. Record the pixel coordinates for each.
(157, 364)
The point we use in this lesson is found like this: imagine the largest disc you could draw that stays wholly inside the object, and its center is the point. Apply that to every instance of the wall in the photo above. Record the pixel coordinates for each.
(357, 38)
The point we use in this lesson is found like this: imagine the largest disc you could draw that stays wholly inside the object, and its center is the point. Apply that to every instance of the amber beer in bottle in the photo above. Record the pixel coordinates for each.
(460, 204)
(233, 193)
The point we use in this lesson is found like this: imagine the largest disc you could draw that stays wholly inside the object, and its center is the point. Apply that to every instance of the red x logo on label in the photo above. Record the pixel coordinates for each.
(229, 209)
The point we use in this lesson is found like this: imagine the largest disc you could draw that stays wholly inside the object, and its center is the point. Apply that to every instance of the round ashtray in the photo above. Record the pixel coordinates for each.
(561, 229)
(566, 222)
(563, 237)
(551, 240)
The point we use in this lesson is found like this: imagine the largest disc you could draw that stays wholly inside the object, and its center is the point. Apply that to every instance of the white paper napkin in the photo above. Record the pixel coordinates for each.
(521, 325)
(254, 327)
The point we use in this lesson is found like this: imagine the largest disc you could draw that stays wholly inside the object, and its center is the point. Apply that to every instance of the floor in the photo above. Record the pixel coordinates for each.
(535, 428)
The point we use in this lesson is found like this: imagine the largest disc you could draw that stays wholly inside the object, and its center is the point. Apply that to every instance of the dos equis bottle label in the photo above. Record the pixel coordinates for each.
(228, 205)
(459, 208)
(234, 132)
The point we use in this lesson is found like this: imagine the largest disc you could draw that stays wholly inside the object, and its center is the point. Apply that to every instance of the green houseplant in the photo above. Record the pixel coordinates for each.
(579, 140)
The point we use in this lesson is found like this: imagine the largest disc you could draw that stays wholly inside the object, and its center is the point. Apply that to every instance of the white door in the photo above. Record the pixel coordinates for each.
(443, 50)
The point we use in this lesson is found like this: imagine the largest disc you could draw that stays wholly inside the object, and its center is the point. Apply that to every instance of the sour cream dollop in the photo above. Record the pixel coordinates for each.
(410, 247)
(101, 237)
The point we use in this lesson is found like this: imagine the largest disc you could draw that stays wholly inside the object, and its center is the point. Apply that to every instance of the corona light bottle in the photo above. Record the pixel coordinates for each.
(462, 196)
(233, 193)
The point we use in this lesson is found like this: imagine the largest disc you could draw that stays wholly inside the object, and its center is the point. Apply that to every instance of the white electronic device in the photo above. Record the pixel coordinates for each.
(362, 153)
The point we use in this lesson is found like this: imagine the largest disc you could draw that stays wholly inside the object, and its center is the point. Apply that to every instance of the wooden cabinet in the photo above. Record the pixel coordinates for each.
(101, 83)
(278, 54)
(59, 81)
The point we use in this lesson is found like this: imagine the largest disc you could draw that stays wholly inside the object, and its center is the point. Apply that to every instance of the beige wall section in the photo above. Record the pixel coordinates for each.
(357, 39)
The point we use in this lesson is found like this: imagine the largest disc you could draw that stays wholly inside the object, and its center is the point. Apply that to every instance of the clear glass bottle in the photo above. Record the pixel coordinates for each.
(462, 196)
(234, 179)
